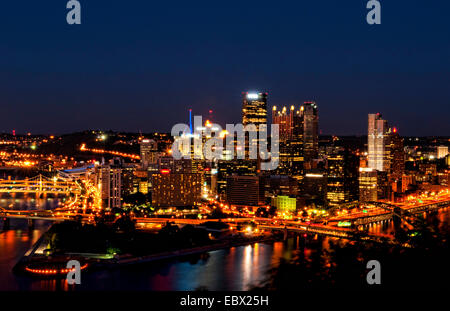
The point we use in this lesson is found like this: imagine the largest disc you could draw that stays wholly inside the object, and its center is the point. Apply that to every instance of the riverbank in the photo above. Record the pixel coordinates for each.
(128, 259)
(100, 262)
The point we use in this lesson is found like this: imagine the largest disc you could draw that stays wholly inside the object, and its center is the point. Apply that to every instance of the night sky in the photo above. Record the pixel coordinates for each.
(140, 65)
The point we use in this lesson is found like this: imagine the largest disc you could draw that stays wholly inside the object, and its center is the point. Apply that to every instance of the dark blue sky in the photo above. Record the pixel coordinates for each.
(139, 65)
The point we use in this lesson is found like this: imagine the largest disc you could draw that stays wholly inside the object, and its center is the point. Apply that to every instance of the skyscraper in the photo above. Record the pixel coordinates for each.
(285, 120)
(110, 179)
(245, 190)
(314, 188)
(148, 152)
(441, 151)
(254, 108)
(377, 141)
(396, 156)
(310, 131)
(368, 184)
(227, 168)
(290, 124)
(254, 111)
(342, 176)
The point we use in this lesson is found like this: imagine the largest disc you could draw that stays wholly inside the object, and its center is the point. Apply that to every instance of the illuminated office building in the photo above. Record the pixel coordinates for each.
(442, 152)
(310, 132)
(342, 176)
(368, 183)
(285, 120)
(226, 168)
(110, 180)
(396, 156)
(377, 138)
(383, 185)
(314, 188)
(254, 108)
(128, 176)
(280, 185)
(148, 152)
(290, 124)
(175, 189)
(245, 190)
(284, 203)
(254, 111)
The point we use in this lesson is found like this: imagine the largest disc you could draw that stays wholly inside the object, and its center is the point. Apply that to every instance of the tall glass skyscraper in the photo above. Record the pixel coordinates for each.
(290, 124)
(254, 108)
(310, 131)
(377, 137)
(254, 111)
(396, 155)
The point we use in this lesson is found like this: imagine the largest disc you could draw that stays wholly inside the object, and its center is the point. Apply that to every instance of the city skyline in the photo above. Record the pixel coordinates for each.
(151, 63)
(189, 113)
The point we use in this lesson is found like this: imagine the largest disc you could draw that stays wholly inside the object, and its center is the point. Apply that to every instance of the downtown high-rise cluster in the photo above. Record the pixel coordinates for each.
(313, 172)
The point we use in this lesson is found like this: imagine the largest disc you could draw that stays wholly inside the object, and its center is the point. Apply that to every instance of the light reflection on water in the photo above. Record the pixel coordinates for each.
(237, 268)
(19, 238)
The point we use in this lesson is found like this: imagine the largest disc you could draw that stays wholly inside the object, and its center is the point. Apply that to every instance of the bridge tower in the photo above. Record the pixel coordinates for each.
(40, 185)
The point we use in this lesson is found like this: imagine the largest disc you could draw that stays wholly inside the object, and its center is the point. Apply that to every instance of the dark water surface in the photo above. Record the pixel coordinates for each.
(237, 268)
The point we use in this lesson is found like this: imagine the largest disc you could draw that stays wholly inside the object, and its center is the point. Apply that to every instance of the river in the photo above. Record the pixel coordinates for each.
(237, 268)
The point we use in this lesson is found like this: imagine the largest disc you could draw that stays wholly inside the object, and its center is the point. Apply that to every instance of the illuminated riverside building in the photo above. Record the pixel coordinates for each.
(377, 141)
(175, 189)
(284, 203)
(314, 188)
(310, 132)
(290, 124)
(342, 176)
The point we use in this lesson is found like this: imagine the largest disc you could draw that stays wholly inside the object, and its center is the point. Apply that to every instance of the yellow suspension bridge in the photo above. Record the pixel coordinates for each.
(40, 185)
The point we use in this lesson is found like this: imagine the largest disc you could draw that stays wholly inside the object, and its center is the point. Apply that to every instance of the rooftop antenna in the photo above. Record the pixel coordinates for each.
(190, 120)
